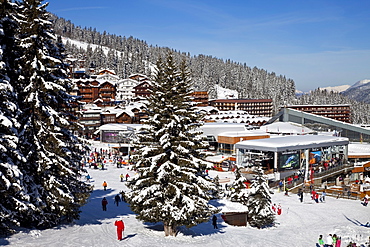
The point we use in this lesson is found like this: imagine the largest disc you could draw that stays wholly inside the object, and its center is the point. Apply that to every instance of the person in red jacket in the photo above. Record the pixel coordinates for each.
(120, 228)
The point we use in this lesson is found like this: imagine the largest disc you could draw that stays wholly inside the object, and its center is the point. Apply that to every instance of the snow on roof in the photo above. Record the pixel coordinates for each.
(358, 149)
(243, 133)
(110, 76)
(318, 105)
(207, 108)
(229, 206)
(217, 158)
(122, 127)
(115, 110)
(107, 70)
(93, 107)
(295, 142)
(214, 129)
(89, 80)
(286, 128)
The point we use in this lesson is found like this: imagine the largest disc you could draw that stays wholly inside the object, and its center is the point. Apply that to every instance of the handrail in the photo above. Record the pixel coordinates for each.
(317, 175)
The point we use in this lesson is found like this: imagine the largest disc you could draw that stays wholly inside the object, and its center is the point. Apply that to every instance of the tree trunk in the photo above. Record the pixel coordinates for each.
(169, 230)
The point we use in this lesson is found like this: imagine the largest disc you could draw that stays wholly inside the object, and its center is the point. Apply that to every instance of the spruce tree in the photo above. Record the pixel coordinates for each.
(239, 192)
(168, 187)
(53, 153)
(13, 197)
(260, 213)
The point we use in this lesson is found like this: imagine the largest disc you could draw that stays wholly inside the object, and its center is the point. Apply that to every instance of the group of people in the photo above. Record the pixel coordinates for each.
(127, 176)
(316, 197)
(117, 200)
(100, 157)
(332, 240)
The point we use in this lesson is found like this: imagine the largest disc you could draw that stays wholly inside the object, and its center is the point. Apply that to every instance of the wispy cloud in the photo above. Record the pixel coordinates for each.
(80, 8)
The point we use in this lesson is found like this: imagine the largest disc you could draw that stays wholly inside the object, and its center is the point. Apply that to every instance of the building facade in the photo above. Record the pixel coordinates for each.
(142, 90)
(258, 107)
(337, 112)
(200, 97)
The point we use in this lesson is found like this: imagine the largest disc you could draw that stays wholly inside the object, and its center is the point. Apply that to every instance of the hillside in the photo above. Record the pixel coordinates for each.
(360, 91)
(129, 55)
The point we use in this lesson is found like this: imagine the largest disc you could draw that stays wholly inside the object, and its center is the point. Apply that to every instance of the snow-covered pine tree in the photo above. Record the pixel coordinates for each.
(260, 213)
(168, 187)
(53, 153)
(13, 198)
(238, 189)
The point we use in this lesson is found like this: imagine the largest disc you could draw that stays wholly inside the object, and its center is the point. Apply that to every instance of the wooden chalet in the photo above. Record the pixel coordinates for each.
(142, 90)
(92, 90)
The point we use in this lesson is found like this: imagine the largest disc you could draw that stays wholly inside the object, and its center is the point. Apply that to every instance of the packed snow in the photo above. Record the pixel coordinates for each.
(300, 224)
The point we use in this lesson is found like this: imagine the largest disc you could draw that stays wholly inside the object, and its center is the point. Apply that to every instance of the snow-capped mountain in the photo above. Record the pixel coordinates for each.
(361, 83)
(359, 91)
(337, 89)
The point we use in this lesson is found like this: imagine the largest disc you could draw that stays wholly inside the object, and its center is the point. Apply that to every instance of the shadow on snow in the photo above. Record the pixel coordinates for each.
(92, 212)
(205, 228)
(357, 223)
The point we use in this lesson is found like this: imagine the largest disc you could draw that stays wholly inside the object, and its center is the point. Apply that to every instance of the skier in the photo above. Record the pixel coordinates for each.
(286, 191)
(274, 208)
(121, 177)
(280, 185)
(105, 185)
(104, 203)
(214, 222)
(300, 194)
(88, 178)
(120, 228)
(366, 201)
(117, 200)
(279, 209)
(322, 198)
(127, 176)
(316, 197)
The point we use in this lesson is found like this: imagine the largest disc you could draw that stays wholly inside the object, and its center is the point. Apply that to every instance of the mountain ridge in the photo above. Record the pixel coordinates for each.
(359, 91)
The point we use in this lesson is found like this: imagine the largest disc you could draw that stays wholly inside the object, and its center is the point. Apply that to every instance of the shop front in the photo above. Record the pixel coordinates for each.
(287, 155)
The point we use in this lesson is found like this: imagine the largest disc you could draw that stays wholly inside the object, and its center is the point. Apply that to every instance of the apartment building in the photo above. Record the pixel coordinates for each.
(258, 107)
(337, 112)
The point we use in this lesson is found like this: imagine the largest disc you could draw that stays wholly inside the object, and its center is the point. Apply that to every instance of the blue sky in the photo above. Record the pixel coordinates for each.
(316, 43)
